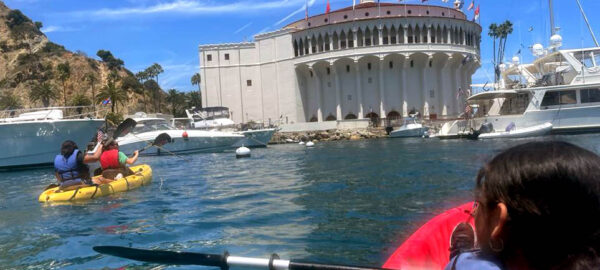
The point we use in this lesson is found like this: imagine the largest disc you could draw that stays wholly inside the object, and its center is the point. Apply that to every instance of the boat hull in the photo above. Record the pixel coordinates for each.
(197, 141)
(539, 130)
(36, 143)
(255, 138)
(407, 133)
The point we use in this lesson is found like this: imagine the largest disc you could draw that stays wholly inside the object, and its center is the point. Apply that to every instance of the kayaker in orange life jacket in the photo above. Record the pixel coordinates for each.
(113, 161)
(70, 165)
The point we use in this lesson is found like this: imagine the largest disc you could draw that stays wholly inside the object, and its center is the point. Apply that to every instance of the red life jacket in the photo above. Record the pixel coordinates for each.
(110, 159)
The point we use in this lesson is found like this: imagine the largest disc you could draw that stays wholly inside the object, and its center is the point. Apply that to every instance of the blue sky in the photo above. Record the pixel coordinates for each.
(168, 32)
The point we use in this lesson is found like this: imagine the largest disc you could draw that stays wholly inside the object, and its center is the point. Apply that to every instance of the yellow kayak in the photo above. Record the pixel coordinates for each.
(142, 177)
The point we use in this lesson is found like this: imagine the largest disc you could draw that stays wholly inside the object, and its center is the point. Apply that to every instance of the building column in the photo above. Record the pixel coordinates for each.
(338, 92)
(405, 35)
(331, 41)
(358, 89)
(380, 30)
(445, 70)
(449, 34)
(381, 88)
(458, 89)
(318, 92)
(355, 37)
(425, 76)
(429, 34)
(405, 66)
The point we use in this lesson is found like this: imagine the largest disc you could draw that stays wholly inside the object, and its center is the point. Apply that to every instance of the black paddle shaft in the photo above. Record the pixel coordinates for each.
(193, 258)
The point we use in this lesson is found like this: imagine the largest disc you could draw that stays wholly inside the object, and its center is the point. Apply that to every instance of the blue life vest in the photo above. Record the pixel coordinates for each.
(67, 168)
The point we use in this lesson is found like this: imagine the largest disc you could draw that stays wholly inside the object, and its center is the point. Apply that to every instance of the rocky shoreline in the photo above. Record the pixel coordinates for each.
(328, 135)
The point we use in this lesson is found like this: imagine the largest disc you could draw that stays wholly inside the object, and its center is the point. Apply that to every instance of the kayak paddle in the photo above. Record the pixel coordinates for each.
(124, 128)
(160, 140)
(222, 261)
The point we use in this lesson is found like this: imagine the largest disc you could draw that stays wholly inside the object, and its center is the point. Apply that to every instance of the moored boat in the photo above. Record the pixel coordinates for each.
(410, 128)
(142, 176)
(33, 137)
(183, 141)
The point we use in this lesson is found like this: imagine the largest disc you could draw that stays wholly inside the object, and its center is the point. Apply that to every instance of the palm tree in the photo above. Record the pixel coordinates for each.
(173, 97)
(193, 99)
(142, 77)
(92, 79)
(153, 71)
(9, 101)
(196, 80)
(43, 92)
(80, 100)
(151, 87)
(113, 93)
(64, 73)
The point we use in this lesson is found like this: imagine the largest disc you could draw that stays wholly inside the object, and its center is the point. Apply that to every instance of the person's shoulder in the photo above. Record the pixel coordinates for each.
(473, 260)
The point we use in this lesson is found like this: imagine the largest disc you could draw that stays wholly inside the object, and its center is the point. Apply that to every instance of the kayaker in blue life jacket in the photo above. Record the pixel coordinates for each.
(537, 206)
(70, 165)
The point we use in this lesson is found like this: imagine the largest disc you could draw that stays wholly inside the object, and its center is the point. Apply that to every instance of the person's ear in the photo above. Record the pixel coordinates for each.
(499, 218)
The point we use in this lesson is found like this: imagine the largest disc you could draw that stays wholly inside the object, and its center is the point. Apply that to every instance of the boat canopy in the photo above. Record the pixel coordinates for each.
(493, 95)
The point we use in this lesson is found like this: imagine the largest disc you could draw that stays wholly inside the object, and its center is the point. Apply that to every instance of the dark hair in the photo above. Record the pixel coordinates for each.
(552, 194)
(67, 148)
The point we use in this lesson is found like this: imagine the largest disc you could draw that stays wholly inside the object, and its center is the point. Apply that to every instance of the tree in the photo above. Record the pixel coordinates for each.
(196, 80)
(142, 77)
(43, 92)
(108, 58)
(153, 71)
(499, 33)
(176, 99)
(9, 101)
(151, 87)
(92, 80)
(64, 73)
(80, 101)
(113, 93)
(39, 25)
(193, 99)
(15, 18)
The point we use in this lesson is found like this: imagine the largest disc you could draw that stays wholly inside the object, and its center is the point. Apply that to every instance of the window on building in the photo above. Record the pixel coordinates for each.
(370, 80)
(328, 84)
(311, 73)
(590, 95)
(326, 20)
(385, 40)
(409, 11)
(345, 17)
(368, 42)
(427, 12)
(366, 14)
(349, 97)
(432, 93)
(430, 63)
(209, 57)
(369, 66)
(248, 82)
(343, 44)
(328, 71)
(412, 63)
(388, 12)
(391, 64)
(350, 43)
(226, 56)
(347, 68)
(393, 40)
(559, 98)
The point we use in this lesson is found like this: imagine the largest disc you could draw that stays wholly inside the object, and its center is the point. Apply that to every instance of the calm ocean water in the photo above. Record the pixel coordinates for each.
(339, 202)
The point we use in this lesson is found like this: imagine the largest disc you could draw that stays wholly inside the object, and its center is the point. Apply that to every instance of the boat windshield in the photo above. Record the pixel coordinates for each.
(211, 113)
(151, 125)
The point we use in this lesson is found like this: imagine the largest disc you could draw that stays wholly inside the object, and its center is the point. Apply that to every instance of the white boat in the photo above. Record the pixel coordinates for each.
(410, 128)
(217, 118)
(183, 141)
(33, 138)
(561, 87)
(516, 132)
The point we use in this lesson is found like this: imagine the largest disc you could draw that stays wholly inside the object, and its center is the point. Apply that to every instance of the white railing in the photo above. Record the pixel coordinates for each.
(53, 113)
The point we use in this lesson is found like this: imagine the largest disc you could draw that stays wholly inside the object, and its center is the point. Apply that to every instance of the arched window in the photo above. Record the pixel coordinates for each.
(393, 35)
(320, 44)
(336, 40)
(417, 34)
(327, 42)
(350, 116)
(359, 38)
(313, 119)
(330, 117)
(375, 36)
(368, 37)
(411, 38)
(296, 48)
(385, 35)
(343, 44)
(350, 39)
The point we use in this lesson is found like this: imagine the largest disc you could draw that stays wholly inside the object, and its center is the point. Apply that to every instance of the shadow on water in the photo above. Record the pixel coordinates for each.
(342, 202)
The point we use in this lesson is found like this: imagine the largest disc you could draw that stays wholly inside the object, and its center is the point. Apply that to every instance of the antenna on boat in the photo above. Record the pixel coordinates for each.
(551, 8)
(586, 21)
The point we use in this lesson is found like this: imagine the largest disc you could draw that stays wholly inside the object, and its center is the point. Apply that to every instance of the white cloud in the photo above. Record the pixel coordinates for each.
(56, 28)
(186, 7)
(242, 28)
(303, 8)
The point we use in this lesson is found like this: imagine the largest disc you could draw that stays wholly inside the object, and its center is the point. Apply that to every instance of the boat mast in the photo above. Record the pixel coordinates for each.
(587, 22)
(552, 29)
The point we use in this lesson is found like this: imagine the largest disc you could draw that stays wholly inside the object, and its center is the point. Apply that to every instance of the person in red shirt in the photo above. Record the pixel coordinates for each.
(114, 162)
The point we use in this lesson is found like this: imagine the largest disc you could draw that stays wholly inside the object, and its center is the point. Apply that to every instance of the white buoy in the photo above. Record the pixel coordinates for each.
(242, 152)
(301, 143)
(310, 144)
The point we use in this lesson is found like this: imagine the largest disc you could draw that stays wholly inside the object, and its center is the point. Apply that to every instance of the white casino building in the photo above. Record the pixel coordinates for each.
(368, 62)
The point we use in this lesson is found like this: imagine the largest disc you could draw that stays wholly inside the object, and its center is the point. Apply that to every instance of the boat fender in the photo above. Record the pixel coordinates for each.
(274, 256)
(185, 135)
(310, 144)
(242, 152)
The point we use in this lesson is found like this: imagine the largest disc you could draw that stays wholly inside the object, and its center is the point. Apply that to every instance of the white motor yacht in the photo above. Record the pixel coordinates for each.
(410, 128)
(33, 137)
(217, 118)
(183, 141)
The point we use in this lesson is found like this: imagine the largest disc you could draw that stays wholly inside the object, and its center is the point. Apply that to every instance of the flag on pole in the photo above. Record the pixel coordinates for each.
(423, 1)
(353, 4)
(477, 13)
(458, 4)
(106, 101)
(306, 10)
(472, 5)
(328, 9)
